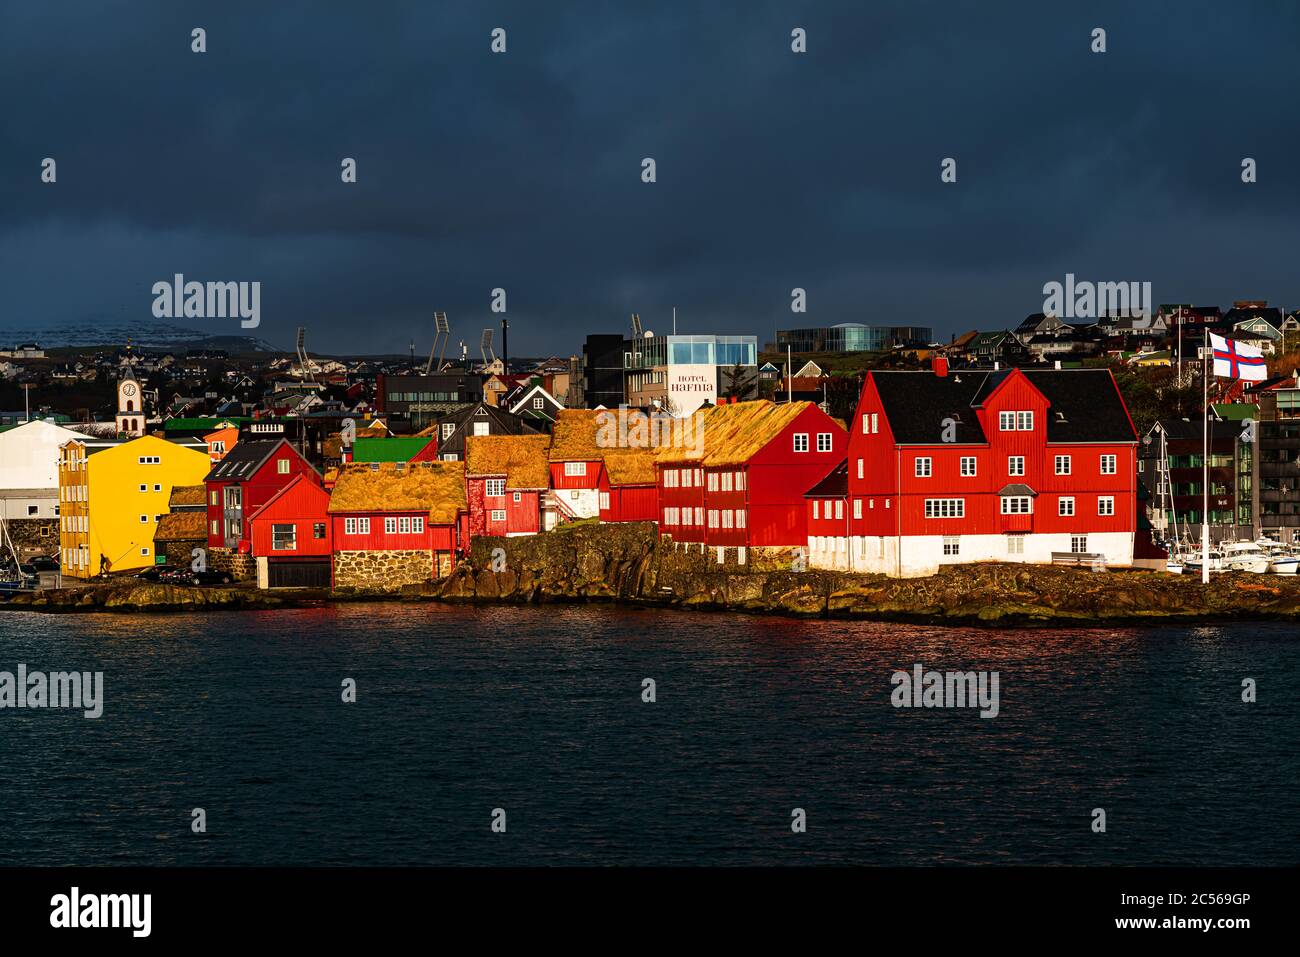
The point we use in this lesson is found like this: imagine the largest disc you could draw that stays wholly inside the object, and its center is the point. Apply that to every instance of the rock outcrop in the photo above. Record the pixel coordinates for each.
(589, 562)
(628, 562)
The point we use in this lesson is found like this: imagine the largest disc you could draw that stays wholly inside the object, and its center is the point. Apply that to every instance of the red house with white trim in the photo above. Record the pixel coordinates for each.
(395, 524)
(628, 486)
(243, 481)
(506, 480)
(739, 481)
(291, 537)
(1010, 465)
(576, 462)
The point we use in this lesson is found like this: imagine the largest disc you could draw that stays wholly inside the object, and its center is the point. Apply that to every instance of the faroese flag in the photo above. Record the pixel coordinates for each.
(1236, 360)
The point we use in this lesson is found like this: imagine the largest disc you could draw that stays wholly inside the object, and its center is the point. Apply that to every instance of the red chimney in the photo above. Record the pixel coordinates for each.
(940, 366)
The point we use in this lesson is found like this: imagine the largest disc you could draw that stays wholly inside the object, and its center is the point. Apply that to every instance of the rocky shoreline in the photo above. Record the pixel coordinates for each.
(628, 564)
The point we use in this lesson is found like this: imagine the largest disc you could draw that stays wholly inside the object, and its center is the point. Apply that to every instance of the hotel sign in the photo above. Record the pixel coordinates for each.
(689, 386)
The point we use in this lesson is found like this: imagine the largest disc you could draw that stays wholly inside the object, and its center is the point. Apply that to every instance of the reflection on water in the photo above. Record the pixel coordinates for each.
(539, 711)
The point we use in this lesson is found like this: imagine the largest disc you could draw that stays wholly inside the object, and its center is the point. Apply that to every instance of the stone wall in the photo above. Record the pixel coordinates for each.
(382, 571)
(179, 553)
(242, 568)
(34, 536)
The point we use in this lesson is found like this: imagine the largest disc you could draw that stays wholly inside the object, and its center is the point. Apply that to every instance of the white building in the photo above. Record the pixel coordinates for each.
(29, 469)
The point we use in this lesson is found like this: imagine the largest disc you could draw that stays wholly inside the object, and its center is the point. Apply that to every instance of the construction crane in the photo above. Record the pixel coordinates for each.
(485, 348)
(442, 330)
(304, 363)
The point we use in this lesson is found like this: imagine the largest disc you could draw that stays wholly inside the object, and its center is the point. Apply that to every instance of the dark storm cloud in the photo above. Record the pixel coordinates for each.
(522, 170)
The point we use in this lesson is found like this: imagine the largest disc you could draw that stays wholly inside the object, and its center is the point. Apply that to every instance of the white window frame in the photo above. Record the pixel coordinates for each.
(923, 466)
(1065, 506)
(1113, 462)
(1106, 505)
(945, 508)
(575, 468)
(1017, 505)
(1062, 464)
(969, 466)
(825, 441)
(1016, 465)
(278, 543)
(801, 441)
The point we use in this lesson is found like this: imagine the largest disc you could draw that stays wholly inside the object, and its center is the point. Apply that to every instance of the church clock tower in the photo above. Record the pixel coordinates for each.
(130, 404)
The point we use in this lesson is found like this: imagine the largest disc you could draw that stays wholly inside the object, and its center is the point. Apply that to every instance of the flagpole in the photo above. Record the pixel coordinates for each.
(1205, 462)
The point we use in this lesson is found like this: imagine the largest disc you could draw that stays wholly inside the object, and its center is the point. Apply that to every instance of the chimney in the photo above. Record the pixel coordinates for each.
(940, 366)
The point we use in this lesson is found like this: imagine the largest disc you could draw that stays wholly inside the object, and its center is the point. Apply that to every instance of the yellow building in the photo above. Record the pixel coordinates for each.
(112, 494)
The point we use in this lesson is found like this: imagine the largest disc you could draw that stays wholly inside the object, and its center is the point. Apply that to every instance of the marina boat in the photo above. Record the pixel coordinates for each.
(1281, 561)
(1244, 557)
(1192, 563)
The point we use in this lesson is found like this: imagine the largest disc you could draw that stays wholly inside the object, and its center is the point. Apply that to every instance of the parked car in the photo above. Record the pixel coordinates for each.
(206, 578)
(45, 563)
(157, 573)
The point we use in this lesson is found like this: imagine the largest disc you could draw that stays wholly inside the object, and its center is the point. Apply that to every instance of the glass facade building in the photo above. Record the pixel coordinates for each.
(654, 351)
(851, 337)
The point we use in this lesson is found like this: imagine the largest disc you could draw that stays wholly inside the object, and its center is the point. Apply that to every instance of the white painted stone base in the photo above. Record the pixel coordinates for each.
(914, 556)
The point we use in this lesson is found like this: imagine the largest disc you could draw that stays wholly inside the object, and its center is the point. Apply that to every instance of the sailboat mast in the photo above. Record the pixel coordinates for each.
(1205, 463)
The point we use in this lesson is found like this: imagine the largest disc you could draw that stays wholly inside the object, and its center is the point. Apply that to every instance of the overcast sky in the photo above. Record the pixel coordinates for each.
(523, 170)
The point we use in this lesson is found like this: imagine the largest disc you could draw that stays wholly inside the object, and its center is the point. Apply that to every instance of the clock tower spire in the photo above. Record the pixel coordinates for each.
(130, 399)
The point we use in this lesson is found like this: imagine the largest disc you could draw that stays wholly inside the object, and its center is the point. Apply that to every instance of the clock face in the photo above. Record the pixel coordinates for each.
(128, 389)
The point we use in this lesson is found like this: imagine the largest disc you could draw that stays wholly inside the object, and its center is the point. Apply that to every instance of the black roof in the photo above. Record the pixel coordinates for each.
(244, 459)
(834, 485)
(1177, 430)
(1085, 405)
(1017, 488)
(917, 403)
(504, 423)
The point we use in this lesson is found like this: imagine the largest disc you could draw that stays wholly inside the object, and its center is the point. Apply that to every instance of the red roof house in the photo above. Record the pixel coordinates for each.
(291, 537)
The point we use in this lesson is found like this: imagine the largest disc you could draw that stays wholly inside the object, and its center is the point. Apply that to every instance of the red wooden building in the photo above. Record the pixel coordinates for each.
(741, 483)
(394, 524)
(627, 486)
(506, 481)
(242, 482)
(828, 518)
(1010, 465)
(291, 537)
(576, 461)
